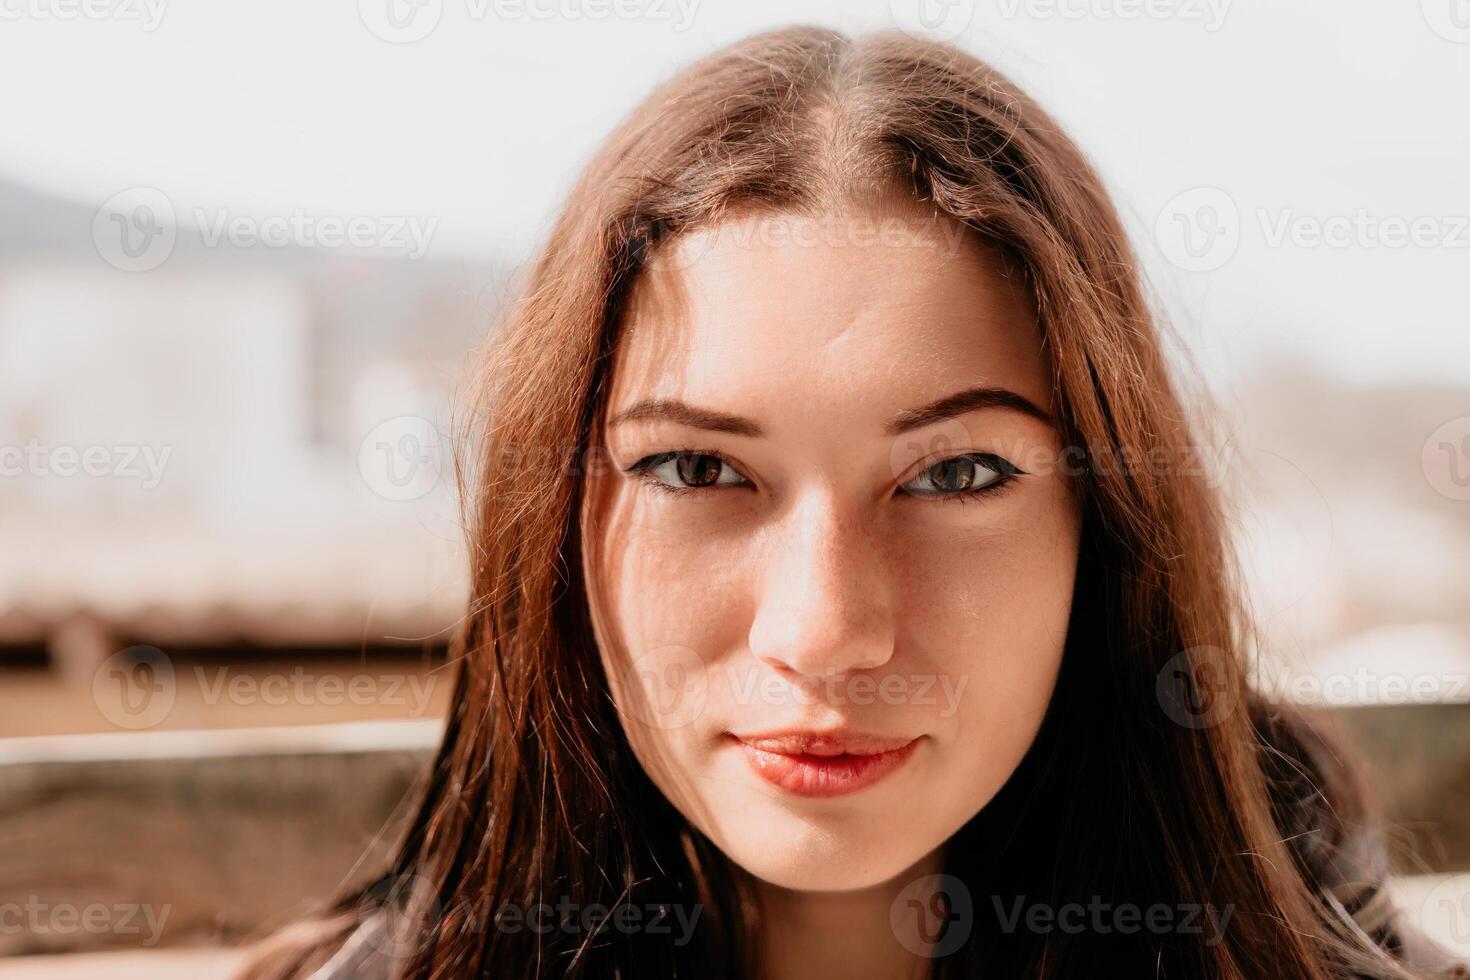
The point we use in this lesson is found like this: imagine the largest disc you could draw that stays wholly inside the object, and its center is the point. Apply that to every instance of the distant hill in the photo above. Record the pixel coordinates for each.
(32, 221)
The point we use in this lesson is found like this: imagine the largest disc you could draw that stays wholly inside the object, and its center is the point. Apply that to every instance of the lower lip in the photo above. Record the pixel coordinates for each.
(813, 775)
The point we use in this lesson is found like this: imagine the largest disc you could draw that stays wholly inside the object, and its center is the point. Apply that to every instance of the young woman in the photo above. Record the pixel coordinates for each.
(851, 596)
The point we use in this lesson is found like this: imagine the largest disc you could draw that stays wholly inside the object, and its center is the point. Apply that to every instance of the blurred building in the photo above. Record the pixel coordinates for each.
(240, 445)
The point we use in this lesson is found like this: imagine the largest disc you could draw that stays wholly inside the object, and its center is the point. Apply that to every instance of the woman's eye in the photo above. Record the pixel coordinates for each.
(687, 470)
(974, 473)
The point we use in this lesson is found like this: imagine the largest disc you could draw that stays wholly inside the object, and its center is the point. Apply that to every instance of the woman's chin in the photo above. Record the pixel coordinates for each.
(790, 852)
(798, 874)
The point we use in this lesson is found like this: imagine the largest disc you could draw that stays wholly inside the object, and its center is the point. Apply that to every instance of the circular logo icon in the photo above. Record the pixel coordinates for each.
(1450, 19)
(1446, 908)
(1446, 458)
(932, 445)
(400, 458)
(942, 20)
(135, 688)
(134, 230)
(665, 688)
(400, 21)
(933, 916)
(1199, 230)
(679, 250)
(392, 913)
(1197, 688)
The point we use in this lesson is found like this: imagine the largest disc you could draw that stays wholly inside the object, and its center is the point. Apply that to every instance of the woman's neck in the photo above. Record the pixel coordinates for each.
(810, 935)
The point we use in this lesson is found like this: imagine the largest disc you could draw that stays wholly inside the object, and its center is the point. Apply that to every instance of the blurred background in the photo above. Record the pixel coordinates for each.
(248, 253)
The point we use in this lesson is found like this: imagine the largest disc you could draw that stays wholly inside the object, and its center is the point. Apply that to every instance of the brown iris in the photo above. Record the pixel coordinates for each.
(698, 469)
(953, 475)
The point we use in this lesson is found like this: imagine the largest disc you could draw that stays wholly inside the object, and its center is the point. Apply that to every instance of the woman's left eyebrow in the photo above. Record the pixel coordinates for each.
(682, 413)
(969, 400)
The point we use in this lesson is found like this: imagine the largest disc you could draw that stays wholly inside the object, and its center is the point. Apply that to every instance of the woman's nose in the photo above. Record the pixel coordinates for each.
(825, 597)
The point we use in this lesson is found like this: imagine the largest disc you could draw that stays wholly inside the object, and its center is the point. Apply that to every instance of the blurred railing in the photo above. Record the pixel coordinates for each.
(205, 838)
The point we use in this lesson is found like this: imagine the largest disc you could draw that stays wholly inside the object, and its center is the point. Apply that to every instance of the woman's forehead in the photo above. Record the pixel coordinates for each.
(853, 303)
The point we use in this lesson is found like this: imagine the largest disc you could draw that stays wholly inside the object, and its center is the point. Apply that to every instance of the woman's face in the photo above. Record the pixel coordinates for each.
(828, 542)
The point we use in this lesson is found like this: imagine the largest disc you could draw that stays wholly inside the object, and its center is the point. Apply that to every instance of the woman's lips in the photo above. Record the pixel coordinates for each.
(812, 764)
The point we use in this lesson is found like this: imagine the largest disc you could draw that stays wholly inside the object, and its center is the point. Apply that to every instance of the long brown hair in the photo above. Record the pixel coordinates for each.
(1157, 776)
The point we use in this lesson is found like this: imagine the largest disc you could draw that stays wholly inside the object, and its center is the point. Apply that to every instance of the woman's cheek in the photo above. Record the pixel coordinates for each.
(988, 615)
(678, 599)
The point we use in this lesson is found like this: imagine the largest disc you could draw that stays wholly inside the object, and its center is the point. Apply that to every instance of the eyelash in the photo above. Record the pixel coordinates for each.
(1006, 470)
(643, 469)
(1006, 473)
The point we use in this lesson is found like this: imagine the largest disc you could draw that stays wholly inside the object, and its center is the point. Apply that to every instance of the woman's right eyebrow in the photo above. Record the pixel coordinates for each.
(950, 406)
(682, 413)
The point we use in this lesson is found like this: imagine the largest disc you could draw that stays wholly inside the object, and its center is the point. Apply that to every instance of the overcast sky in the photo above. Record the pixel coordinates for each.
(1264, 126)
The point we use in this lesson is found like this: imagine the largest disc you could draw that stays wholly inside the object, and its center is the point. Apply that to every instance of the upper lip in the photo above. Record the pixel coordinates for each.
(823, 743)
